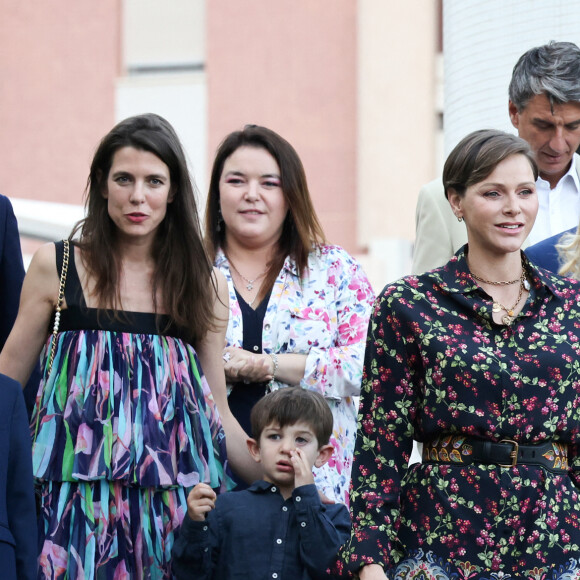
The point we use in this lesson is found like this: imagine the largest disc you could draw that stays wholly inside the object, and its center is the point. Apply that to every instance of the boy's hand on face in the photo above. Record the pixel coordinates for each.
(200, 501)
(302, 468)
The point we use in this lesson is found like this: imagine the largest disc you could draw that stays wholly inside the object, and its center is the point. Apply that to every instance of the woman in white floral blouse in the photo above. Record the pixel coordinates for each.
(299, 308)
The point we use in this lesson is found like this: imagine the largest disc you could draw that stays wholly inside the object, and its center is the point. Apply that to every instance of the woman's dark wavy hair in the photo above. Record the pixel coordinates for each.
(301, 230)
(183, 273)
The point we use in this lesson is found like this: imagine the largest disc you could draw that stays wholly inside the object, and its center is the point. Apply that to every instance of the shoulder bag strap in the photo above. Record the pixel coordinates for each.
(63, 272)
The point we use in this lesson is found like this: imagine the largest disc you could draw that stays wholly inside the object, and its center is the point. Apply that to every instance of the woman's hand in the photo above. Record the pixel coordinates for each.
(243, 365)
(372, 572)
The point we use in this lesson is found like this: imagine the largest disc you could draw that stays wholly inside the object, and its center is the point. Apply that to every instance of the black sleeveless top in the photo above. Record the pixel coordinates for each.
(78, 316)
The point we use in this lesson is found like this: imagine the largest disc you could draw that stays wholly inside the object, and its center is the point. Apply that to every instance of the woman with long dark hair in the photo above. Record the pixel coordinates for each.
(130, 410)
(299, 306)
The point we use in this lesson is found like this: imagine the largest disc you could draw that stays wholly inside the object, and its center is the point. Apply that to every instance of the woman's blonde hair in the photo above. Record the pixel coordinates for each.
(568, 247)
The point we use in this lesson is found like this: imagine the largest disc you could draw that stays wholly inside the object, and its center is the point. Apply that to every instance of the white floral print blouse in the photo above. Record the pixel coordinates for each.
(324, 315)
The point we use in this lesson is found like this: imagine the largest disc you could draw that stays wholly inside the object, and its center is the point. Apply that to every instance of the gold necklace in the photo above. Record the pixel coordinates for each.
(509, 317)
(500, 283)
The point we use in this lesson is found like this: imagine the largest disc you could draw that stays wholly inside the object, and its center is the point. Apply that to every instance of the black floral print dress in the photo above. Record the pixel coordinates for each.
(436, 364)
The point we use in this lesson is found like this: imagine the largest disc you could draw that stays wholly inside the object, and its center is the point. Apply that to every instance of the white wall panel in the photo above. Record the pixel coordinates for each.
(161, 34)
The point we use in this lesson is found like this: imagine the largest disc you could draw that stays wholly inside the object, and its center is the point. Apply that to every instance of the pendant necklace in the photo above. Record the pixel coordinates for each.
(249, 283)
(509, 317)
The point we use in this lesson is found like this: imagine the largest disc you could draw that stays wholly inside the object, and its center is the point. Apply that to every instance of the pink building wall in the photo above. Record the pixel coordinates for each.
(291, 65)
(61, 59)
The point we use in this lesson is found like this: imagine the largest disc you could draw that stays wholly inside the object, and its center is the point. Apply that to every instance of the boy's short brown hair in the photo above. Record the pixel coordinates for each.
(290, 405)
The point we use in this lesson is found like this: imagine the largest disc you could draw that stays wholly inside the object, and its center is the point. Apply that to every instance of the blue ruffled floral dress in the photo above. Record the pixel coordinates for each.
(122, 428)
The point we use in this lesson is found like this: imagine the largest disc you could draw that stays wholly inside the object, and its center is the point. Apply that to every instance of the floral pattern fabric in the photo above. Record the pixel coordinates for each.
(436, 364)
(123, 426)
(324, 315)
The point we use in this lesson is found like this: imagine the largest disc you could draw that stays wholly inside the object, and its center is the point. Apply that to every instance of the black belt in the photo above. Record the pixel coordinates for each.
(462, 449)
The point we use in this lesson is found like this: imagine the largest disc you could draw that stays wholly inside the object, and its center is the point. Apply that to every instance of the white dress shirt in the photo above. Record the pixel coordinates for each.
(559, 208)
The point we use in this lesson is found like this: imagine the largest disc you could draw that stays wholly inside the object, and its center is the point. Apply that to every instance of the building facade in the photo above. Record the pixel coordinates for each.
(351, 84)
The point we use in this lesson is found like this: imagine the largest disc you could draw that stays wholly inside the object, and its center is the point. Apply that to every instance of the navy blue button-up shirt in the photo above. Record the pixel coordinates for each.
(257, 534)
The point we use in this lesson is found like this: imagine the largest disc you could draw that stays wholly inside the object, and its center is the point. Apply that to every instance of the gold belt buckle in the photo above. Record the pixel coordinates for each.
(513, 454)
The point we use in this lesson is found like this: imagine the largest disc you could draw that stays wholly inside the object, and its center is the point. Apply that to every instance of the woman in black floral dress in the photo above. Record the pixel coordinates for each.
(479, 361)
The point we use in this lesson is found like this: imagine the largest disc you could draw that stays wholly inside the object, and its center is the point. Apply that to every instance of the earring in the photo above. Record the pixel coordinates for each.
(459, 218)
(219, 221)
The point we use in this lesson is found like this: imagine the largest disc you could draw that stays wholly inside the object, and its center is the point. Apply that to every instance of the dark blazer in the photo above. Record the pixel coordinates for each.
(11, 269)
(11, 278)
(544, 253)
(18, 532)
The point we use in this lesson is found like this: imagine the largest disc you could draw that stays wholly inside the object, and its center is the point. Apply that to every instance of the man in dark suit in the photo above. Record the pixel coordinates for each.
(11, 277)
(18, 534)
(11, 269)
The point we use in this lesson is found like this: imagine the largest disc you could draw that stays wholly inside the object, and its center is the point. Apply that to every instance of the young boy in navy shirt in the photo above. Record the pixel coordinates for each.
(277, 528)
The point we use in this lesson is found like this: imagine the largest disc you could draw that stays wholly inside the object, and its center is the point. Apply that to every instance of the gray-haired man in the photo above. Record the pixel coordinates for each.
(544, 106)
